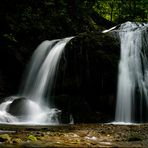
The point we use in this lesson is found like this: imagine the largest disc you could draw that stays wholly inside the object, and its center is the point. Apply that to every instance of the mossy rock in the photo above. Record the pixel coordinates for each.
(5, 138)
(32, 138)
(135, 137)
(17, 141)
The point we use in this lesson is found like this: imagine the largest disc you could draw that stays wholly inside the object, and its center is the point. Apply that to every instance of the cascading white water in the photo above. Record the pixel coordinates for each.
(34, 66)
(4, 116)
(133, 72)
(42, 70)
(39, 81)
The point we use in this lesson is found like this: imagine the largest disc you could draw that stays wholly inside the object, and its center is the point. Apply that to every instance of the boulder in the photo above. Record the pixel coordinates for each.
(88, 74)
(18, 107)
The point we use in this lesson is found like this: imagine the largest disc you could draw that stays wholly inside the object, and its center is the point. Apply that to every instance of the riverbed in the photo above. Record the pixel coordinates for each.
(77, 135)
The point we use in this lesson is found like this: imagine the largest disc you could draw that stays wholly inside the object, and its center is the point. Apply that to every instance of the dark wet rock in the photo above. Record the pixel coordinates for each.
(18, 107)
(88, 75)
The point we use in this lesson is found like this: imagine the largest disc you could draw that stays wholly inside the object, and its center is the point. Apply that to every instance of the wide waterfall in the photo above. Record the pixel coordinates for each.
(32, 104)
(132, 93)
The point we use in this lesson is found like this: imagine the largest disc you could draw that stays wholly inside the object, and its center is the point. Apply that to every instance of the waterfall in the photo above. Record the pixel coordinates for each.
(132, 93)
(35, 92)
(42, 70)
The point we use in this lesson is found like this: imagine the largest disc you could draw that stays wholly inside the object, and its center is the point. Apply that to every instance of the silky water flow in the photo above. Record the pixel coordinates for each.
(38, 82)
(132, 91)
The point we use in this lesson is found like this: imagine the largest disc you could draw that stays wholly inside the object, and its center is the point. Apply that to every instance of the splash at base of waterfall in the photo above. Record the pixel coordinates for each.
(35, 113)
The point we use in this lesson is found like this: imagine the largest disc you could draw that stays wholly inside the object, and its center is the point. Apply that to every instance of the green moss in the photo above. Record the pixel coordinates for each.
(32, 138)
(17, 140)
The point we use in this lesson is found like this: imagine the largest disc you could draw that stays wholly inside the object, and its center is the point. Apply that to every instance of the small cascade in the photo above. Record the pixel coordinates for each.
(71, 120)
(132, 93)
(33, 100)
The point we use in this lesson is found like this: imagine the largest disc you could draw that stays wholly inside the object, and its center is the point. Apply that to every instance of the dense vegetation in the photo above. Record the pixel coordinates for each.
(120, 11)
(29, 22)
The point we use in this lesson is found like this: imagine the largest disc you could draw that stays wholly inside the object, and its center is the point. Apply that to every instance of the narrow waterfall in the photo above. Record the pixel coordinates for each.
(36, 87)
(132, 93)
(42, 70)
(30, 80)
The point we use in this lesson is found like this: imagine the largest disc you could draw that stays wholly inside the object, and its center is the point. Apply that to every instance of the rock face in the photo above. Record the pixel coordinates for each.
(88, 76)
(11, 67)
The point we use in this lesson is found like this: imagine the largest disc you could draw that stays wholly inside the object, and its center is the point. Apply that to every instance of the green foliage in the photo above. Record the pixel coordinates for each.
(122, 10)
(26, 24)
(10, 37)
(34, 21)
